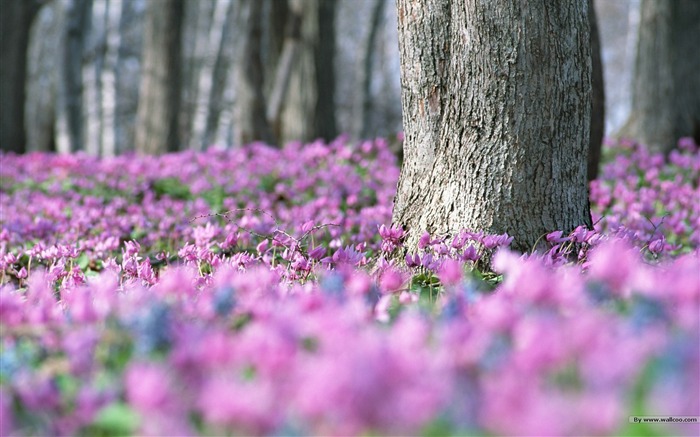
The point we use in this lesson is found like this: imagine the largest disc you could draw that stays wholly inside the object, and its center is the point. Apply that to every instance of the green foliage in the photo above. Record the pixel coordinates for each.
(116, 419)
(171, 187)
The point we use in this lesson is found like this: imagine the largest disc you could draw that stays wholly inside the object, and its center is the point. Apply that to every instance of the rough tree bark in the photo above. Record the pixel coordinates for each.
(159, 91)
(666, 82)
(598, 97)
(496, 100)
(15, 24)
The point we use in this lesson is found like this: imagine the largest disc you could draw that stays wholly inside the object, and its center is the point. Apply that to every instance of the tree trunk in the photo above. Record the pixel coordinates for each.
(363, 102)
(206, 74)
(496, 100)
(220, 74)
(309, 106)
(78, 17)
(251, 121)
(128, 74)
(324, 58)
(16, 22)
(666, 83)
(598, 97)
(159, 95)
(45, 45)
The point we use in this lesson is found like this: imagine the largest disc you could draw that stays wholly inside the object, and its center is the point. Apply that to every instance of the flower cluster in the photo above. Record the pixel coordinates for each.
(253, 292)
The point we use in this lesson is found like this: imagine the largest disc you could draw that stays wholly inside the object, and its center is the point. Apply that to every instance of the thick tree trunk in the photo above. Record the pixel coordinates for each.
(598, 97)
(666, 83)
(496, 99)
(15, 24)
(159, 95)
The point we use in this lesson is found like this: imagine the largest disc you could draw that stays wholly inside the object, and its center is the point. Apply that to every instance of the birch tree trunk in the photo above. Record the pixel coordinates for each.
(496, 100)
(159, 91)
(666, 82)
(16, 22)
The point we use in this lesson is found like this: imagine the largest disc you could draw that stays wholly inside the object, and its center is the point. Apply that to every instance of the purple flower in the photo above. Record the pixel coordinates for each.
(450, 272)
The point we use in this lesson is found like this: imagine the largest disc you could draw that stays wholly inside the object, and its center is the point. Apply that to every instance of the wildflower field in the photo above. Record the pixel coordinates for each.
(257, 291)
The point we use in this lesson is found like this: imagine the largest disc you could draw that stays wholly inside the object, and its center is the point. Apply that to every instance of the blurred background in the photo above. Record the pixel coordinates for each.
(112, 76)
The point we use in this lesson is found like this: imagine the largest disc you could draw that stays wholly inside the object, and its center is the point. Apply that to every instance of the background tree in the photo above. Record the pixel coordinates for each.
(496, 105)
(15, 24)
(159, 95)
(363, 105)
(598, 97)
(666, 83)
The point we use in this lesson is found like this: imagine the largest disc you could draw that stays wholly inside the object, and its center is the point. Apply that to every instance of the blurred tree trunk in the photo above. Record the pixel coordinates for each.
(324, 59)
(309, 107)
(666, 82)
(206, 74)
(220, 74)
(251, 122)
(196, 43)
(496, 101)
(111, 139)
(598, 97)
(159, 95)
(45, 44)
(93, 68)
(128, 73)
(363, 102)
(70, 116)
(15, 24)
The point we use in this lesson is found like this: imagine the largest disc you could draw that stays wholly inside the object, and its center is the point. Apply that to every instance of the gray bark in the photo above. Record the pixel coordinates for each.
(496, 99)
(251, 122)
(598, 97)
(220, 74)
(206, 73)
(43, 78)
(159, 92)
(666, 83)
(363, 103)
(15, 21)
(324, 68)
(308, 111)
(128, 72)
(78, 17)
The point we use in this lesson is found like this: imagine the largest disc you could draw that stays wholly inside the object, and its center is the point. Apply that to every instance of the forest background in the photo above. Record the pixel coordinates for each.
(243, 70)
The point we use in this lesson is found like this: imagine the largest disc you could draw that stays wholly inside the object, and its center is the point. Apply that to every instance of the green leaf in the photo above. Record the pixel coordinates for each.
(83, 261)
(116, 419)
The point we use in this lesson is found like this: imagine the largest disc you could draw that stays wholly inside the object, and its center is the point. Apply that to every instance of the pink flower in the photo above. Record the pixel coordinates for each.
(450, 272)
(149, 387)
